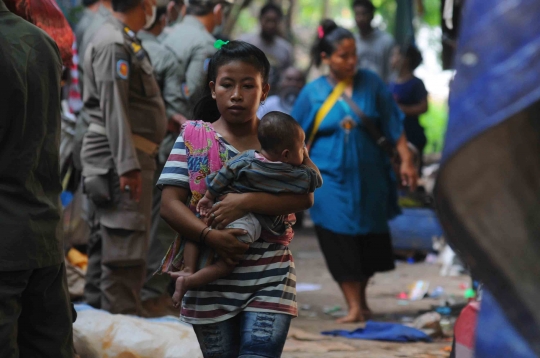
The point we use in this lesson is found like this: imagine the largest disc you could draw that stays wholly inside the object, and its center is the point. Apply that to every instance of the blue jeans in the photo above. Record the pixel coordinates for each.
(247, 335)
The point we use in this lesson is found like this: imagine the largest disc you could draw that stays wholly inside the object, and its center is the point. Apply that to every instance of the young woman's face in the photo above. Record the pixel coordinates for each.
(238, 91)
(343, 60)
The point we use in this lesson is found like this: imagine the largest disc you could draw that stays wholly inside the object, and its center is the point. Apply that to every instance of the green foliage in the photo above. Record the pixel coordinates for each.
(434, 123)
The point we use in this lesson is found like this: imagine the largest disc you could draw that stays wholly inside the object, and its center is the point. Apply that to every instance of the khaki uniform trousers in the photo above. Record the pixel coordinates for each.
(117, 250)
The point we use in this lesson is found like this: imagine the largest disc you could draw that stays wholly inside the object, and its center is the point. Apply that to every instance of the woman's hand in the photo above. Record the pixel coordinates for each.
(226, 245)
(409, 175)
(230, 208)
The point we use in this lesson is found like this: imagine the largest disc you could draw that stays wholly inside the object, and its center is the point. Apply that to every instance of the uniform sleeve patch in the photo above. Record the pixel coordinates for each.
(185, 90)
(122, 69)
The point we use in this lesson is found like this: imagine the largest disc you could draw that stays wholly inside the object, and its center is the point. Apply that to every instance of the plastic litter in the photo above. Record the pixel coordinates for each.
(100, 334)
(437, 292)
(418, 290)
(306, 287)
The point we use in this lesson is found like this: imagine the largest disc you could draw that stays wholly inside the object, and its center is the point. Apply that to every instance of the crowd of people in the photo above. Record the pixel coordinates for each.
(196, 152)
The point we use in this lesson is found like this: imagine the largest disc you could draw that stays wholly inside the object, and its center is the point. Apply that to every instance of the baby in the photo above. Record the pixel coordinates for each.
(282, 166)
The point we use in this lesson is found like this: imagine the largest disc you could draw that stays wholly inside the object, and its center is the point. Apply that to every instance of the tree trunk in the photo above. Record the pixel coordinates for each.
(325, 8)
(233, 16)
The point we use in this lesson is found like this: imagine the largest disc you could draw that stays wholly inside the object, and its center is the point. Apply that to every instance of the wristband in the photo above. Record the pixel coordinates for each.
(205, 235)
(201, 234)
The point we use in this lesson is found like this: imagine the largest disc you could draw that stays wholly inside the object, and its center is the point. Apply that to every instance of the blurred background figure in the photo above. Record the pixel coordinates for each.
(192, 43)
(410, 94)
(127, 123)
(374, 46)
(351, 220)
(278, 50)
(291, 83)
(36, 317)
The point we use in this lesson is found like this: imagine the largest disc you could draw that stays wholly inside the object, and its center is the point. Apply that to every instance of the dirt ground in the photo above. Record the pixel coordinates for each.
(382, 298)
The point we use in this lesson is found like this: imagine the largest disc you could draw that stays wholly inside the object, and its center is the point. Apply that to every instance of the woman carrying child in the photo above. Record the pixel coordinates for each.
(247, 313)
(359, 195)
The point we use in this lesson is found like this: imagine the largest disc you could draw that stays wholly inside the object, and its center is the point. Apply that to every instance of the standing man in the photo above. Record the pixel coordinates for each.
(373, 46)
(279, 51)
(91, 7)
(155, 299)
(193, 44)
(127, 123)
(35, 311)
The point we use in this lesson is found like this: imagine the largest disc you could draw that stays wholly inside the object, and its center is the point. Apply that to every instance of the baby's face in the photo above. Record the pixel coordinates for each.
(296, 154)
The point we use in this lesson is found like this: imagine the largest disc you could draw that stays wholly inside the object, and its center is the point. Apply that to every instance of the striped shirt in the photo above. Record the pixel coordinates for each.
(264, 280)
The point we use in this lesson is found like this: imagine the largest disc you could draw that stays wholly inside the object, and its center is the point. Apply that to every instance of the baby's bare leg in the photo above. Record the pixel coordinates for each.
(200, 278)
(191, 256)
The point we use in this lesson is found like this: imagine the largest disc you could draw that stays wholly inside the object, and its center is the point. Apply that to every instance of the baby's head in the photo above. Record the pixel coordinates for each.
(282, 138)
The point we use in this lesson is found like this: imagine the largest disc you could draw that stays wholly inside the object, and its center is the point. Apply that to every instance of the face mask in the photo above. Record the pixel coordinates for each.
(150, 18)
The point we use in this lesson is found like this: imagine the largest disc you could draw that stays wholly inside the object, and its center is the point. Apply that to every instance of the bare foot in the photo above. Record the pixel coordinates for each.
(181, 286)
(367, 313)
(354, 316)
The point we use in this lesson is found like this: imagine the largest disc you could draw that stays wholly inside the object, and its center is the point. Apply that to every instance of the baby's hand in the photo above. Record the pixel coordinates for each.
(204, 206)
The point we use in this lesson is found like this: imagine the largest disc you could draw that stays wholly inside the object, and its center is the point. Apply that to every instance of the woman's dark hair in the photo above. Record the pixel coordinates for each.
(329, 35)
(206, 108)
(413, 55)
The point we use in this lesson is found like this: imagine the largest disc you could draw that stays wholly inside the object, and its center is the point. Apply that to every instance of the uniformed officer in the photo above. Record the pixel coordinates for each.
(193, 44)
(156, 300)
(90, 9)
(127, 123)
(85, 31)
(35, 312)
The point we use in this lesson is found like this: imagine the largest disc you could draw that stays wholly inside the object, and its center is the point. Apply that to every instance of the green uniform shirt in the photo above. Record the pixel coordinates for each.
(167, 73)
(30, 69)
(193, 47)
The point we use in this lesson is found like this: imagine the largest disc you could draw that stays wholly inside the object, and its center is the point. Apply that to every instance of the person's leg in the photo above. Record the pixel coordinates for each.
(161, 237)
(342, 255)
(263, 334)
(46, 321)
(12, 286)
(219, 340)
(92, 290)
(191, 257)
(352, 290)
(202, 277)
(366, 311)
(125, 231)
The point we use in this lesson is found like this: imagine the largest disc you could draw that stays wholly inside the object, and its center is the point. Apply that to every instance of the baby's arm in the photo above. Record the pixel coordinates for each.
(316, 178)
(205, 204)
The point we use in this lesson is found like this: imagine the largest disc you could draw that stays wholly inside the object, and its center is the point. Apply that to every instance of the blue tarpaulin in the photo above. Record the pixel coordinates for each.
(383, 331)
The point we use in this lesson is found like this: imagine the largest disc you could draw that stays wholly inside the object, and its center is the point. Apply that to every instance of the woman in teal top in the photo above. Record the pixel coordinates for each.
(359, 194)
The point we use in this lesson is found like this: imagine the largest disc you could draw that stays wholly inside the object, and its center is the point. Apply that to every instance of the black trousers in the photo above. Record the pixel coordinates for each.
(35, 314)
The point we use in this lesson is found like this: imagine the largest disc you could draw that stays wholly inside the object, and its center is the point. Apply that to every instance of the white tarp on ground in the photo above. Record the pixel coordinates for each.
(99, 334)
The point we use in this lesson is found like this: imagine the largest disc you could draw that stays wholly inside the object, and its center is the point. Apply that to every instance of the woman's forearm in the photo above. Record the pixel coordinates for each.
(178, 215)
(403, 149)
(272, 204)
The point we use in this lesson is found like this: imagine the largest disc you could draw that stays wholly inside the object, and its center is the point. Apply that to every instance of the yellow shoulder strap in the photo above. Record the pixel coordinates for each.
(325, 108)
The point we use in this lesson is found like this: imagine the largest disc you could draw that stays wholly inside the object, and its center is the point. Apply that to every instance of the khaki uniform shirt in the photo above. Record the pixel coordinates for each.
(83, 24)
(122, 95)
(193, 47)
(167, 73)
(30, 69)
